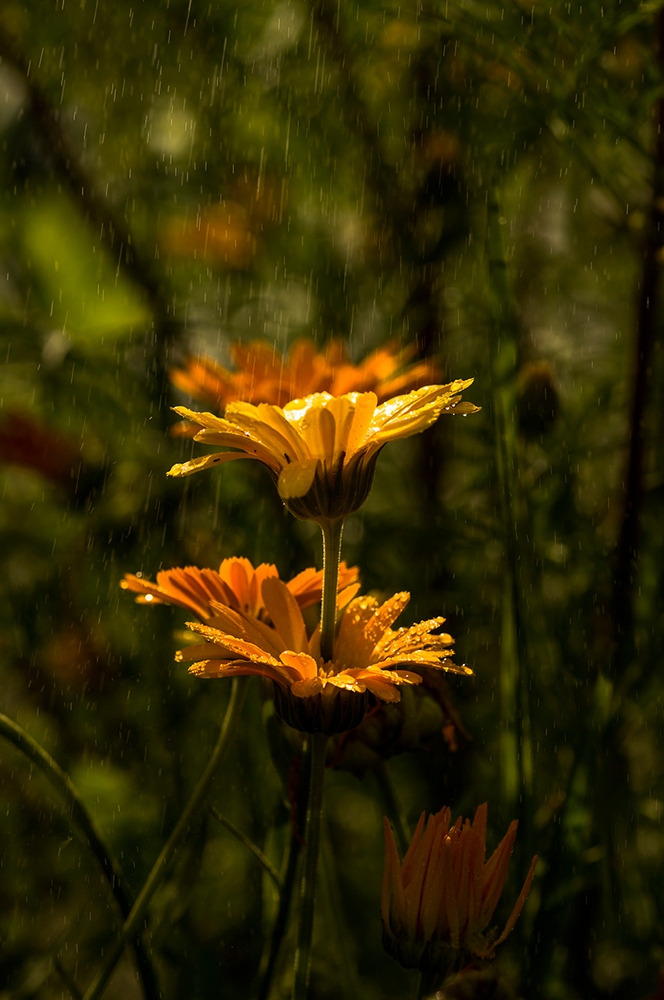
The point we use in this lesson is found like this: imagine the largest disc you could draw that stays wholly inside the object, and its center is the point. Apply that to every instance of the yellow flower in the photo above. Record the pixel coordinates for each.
(444, 893)
(262, 374)
(310, 694)
(236, 585)
(321, 450)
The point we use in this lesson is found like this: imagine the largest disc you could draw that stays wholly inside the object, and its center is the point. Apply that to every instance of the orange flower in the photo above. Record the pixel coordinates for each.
(444, 893)
(263, 375)
(313, 695)
(236, 585)
(321, 450)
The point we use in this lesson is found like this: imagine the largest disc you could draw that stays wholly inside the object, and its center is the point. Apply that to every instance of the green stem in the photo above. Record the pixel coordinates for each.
(393, 806)
(308, 883)
(331, 531)
(269, 962)
(336, 923)
(161, 865)
(520, 599)
(89, 835)
(249, 844)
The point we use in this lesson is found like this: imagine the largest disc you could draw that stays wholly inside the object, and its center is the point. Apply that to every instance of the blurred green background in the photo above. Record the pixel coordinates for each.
(482, 180)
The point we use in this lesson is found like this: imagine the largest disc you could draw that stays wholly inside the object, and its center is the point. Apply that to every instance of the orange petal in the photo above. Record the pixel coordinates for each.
(518, 906)
(285, 613)
(304, 665)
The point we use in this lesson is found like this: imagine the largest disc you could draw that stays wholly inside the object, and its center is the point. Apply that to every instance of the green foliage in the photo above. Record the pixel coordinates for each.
(481, 180)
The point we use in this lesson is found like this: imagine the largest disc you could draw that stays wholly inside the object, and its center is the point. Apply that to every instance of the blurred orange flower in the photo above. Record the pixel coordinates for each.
(444, 893)
(236, 585)
(313, 695)
(262, 374)
(321, 450)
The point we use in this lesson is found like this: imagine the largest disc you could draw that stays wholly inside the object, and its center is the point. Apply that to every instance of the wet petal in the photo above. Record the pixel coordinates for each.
(296, 479)
(206, 462)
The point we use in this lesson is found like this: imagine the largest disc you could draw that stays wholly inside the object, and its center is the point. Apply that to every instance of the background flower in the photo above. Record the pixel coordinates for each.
(262, 374)
(443, 895)
(237, 584)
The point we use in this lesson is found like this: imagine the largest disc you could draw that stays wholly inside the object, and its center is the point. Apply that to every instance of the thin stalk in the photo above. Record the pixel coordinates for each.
(89, 835)
(249, 844)
(269, 962)
(394, 807)
(308, 882)
(648, 333)
(161, 865)
(331, 531)
(516, 736)
(335, 920)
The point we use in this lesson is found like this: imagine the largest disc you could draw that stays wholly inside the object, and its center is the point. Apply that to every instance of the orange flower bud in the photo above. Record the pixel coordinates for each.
(443, 895)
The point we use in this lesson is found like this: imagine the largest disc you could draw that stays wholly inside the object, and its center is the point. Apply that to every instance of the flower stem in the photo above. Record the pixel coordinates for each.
(331, 531)
(90, 836)
(308, 883)
(298, 823)
(393, 806)
(135, 919)
(249, 844)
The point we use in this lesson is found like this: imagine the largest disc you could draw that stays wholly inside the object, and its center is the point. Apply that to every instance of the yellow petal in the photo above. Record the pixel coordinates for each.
(365, 407)
(296, 479)
(206, 462)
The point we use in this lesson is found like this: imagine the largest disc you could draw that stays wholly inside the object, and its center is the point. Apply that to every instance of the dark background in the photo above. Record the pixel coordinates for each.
(482, 180)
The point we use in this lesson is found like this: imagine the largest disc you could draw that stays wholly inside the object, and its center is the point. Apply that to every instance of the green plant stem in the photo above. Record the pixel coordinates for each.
(515, 671)
(308, 882)
(89, 835)
(161, 865)
(269, 963)
(393, 806)
(332, 531)
(281, 921)
(249, 844)
(335, 919)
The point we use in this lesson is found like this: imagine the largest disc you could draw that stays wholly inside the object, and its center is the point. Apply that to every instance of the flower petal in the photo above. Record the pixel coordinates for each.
(205, 462)
(304, 665)
(286, 616)
(296, 479)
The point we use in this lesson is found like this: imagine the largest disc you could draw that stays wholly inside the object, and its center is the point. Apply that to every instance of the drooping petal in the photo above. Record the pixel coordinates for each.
(205, 462)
